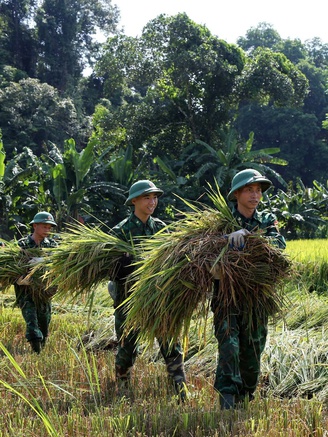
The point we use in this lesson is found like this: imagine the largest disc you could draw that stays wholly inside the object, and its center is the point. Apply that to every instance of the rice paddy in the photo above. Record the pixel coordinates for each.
(69, 389)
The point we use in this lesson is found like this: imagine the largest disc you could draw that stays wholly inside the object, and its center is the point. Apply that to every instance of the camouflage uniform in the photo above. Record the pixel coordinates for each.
(132, 228)
(37, 316)
(241, 344)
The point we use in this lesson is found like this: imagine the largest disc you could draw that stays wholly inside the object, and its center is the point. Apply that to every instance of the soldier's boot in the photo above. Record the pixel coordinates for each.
(43, 342)
(181, 389)
(175, 369)
(123, 379)
(227, 401)
(36, 346)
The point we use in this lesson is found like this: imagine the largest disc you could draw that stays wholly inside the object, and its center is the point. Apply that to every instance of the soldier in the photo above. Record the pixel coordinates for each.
(241, 344)
(143, 197)
(37, 314)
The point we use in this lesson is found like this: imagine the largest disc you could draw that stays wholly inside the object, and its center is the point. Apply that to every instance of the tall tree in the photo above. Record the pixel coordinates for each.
(180, 79)
(65, 31)
(293, 49)
(17, 39)
(317, 52)
(270, 78)
(263, 35)
(186, 84)
(316, 101)
(32, 114)
(294, 132)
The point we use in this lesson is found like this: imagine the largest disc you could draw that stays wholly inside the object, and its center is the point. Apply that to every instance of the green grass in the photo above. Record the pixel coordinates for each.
(69, 390)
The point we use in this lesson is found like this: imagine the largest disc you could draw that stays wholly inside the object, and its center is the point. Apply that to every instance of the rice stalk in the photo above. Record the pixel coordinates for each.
(85, 258)
(14, 263)
(307, 311)
(175, 278)
(310, 260)
(295, 364)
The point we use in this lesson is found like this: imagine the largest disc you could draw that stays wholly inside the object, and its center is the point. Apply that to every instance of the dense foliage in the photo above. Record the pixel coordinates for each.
(81, 120)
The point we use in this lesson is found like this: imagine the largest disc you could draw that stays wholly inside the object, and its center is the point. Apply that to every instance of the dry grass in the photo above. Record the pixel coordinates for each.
(69, 391)
(14, 263)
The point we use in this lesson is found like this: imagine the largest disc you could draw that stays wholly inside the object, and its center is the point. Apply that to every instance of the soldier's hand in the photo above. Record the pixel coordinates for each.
(35, 260)
(236, 239)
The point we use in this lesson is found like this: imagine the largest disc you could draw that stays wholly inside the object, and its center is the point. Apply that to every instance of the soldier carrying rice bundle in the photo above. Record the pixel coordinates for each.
(241, 334)
(143, 197)
(34, 300)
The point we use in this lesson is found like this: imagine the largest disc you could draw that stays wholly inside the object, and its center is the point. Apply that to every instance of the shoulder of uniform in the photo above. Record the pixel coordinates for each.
(270, 215)
(120, 224)
(53, 242)
(159, 221)
(23, 242)
(122, 228)
(267, 216)
(158, 224)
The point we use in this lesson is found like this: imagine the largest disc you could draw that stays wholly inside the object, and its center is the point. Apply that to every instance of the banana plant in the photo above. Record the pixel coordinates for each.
(87, 187)
(300, 210)
(68, 182)
(224, 161)
(20, 191)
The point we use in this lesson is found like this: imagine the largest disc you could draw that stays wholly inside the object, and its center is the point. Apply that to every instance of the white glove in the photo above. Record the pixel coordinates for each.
(23, 280)
(35, 260)
(236, 239)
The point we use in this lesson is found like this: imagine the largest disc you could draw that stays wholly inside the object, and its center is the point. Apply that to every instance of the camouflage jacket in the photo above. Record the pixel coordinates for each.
(131, 230)
(132, 227)
(23, 291)
(262, 220)
(28, 243)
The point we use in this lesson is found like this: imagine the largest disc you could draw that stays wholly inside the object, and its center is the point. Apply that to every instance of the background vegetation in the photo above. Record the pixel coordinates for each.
(81, 120)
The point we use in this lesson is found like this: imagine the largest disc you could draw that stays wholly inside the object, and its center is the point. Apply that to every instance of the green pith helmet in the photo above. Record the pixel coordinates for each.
(247, 177)
(142, 187)
(44, 217)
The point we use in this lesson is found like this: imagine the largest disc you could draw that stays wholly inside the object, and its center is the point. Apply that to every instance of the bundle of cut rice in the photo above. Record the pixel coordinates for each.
(12, 265)
(174, 279)
(15, 263)
(84, 259)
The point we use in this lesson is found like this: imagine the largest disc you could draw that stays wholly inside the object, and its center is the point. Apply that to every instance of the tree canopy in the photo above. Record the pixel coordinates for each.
(176, 105)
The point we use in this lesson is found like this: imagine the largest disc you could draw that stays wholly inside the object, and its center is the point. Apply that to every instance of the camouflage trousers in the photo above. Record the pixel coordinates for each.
(37, 316)
(241, 343)
(128, 350)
